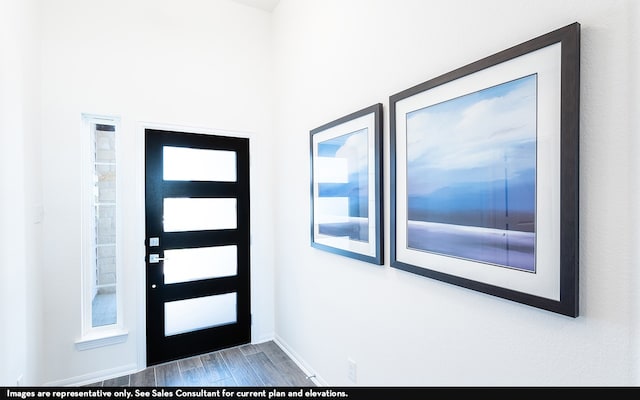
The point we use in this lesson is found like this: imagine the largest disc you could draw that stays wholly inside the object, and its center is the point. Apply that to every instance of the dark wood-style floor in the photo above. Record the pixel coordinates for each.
(263, 364)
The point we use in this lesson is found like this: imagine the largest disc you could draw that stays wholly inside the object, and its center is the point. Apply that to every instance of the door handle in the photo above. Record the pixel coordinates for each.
(155, 258)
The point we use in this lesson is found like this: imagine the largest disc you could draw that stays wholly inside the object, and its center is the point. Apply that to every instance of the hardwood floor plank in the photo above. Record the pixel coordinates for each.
(215, 367)
(247, 349)
(168, 374)
(117, 382)
(239, 367)
(265, 370)
(273, 351)
(190, 363)
(146, 377)
(196, 377)
(226, 382)
(293, 375)
(287, 367)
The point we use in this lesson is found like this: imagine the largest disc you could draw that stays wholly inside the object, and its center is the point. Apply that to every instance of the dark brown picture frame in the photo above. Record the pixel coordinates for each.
(552, 283)
(346, 211)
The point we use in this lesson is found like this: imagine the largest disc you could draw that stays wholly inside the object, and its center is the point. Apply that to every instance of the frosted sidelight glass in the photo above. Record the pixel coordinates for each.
(198, 214)
(187, 164)
(185, 265)
(190, 315)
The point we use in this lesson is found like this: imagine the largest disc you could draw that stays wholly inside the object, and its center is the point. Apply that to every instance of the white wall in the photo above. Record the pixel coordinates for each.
(200, 64)
(20, 313)
(207, 64)
(334, 57)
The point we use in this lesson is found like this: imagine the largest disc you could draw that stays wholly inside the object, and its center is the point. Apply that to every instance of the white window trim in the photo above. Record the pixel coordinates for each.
(93, 337)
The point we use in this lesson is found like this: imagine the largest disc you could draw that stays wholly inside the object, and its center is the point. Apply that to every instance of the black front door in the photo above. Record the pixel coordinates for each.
(197, 243)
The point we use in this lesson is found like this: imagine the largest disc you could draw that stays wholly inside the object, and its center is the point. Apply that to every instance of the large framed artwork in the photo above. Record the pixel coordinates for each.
(484, 174)
(346, 185)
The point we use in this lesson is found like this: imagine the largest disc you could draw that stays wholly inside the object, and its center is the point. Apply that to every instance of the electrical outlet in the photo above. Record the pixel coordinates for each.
(352, 371)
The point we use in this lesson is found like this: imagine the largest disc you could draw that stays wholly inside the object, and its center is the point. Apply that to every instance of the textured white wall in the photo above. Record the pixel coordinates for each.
(337, 56)
(198, 63)
(20, 313)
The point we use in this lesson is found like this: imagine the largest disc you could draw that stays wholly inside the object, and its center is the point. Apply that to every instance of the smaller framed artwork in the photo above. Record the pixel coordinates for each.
(346, 185)
(484, 174)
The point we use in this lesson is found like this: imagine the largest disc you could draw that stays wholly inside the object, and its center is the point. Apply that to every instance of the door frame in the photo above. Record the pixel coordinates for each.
(140, 269)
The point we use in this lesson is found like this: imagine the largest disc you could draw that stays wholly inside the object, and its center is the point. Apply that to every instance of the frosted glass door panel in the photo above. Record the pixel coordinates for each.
(185, 265)
(187, 164)
(195, 214)
(190, 315)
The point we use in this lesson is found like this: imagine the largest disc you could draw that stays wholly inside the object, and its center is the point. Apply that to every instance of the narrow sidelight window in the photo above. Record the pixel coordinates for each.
(100, 269)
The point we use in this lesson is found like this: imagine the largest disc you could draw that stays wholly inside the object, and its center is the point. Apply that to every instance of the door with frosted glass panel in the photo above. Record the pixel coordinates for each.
(197, 243)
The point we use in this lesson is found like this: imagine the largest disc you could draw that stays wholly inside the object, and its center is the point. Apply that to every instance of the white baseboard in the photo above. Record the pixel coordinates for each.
(96, 376)
(304, 366)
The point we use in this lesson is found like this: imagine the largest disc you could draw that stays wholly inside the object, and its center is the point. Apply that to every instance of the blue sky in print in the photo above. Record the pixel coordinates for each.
(474, 153)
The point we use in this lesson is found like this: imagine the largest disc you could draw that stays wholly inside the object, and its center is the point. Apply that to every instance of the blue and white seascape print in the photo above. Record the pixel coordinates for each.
(345, 200)
(471, 176)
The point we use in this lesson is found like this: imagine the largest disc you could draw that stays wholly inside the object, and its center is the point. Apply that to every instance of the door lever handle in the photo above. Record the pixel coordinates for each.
(155, 258)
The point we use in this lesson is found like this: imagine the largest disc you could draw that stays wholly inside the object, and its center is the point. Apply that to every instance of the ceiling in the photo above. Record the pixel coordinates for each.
(266, 5)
